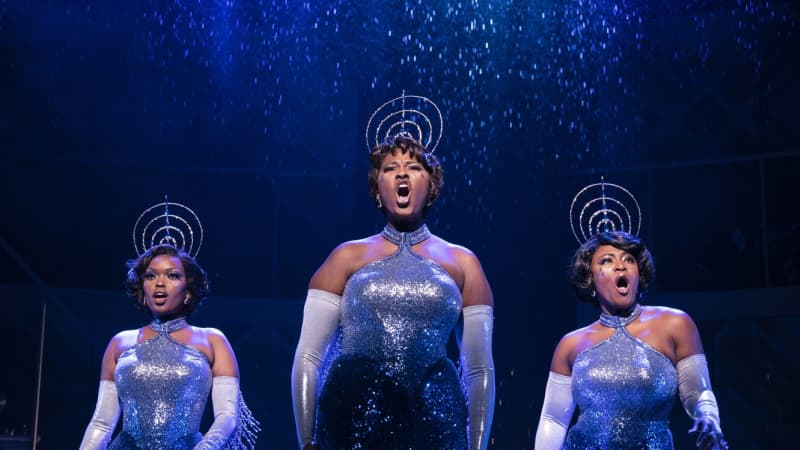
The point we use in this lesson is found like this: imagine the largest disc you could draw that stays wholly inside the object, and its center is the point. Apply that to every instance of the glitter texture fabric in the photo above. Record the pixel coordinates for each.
(163, 386)
(392, 385)
(624, 390)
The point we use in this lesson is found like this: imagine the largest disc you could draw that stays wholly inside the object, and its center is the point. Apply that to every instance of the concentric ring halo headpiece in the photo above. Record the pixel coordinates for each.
(168, 223)
(412, 116)
(602, 207)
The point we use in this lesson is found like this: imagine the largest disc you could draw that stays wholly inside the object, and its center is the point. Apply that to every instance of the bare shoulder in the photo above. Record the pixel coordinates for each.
(454, 254)
(340, 264)
(211, 333)
(665, 314)
(123, 341)
(458, 251)
(567, 349)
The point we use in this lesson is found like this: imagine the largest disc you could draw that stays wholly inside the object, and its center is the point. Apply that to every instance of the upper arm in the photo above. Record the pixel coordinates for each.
(562, 356)
(332, 275)
(476, 290)
(109, 364)
(685, 335)
(224, 359)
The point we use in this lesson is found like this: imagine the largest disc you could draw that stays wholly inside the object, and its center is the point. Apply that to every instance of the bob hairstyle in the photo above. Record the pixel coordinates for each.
(414, 149)
(196, 277)
(580, 271)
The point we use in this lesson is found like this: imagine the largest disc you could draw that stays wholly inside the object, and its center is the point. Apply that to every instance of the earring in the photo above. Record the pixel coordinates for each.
(186, 300)
(378, 201)
(594, 293)
(144, 300)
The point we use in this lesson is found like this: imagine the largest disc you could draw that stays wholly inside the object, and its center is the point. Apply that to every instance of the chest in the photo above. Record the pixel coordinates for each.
(403, 286)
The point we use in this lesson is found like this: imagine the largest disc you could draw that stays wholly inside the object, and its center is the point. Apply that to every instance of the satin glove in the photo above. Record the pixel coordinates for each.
(320, 322)
(225, 400)
(478, 373)
(694, 388)
(556, 413)
(104, 420)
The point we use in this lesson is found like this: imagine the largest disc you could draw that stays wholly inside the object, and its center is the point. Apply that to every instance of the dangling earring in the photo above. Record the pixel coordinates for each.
(594, 293)
(144, 300)
(186, 300)
(378, 201)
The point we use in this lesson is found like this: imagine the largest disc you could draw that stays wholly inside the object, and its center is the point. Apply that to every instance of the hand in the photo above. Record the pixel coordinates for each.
(709, 436)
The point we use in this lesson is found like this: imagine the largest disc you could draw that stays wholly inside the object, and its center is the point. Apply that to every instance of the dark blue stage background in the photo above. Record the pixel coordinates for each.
(253, 113)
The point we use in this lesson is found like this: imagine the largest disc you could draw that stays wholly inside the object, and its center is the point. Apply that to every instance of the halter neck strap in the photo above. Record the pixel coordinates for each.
(169, 326)
(408, 239)
(618, 322)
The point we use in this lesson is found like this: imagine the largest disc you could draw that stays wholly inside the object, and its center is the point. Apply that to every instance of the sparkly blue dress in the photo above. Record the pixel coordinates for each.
(624, 390)
(163, 386)
(391, 385)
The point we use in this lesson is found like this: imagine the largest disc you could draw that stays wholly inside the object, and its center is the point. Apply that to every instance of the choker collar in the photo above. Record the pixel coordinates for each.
(169, 326)
(618, 322)
(411, 238)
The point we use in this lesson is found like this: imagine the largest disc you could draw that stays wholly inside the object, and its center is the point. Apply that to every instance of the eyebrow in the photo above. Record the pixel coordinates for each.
(622, 253)
(405, 163)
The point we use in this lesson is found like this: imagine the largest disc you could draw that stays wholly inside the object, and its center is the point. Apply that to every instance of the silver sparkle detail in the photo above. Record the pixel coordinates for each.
(389, 121)
(614, 209)
(168, 223)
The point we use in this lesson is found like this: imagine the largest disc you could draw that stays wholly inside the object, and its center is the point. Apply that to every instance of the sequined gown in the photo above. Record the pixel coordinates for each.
(392, 385)
(624, 390)
(163, 386)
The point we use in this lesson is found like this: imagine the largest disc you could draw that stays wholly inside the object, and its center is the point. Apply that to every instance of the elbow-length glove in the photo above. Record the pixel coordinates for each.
(225, 400)
(556, 413)
(694, 388)
(104, 420)
(320, 322)
(478, 372)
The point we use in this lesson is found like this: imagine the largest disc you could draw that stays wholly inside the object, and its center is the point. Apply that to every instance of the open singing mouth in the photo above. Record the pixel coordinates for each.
(403, 194)
(623, 285)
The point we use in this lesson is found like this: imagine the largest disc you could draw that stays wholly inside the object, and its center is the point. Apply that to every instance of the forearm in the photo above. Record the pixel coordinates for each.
(104, 419)
(320, 322)
(556, 413)
(694, 387)
(479, 377)
(225, 401)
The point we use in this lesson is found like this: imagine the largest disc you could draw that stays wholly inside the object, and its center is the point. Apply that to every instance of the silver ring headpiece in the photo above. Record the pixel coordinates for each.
(168, 223)
(602, 207)
(408, 115)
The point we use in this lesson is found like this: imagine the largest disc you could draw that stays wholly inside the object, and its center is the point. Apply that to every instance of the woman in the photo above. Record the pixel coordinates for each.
(162, 373)
(393, 299)
(624, 370)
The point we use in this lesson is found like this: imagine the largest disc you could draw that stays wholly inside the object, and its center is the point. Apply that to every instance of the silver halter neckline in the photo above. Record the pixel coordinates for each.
(618, 322)
(410, 238)
(169, 326)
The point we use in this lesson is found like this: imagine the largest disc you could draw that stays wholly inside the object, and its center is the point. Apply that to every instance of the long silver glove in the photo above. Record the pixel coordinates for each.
(478, 372)
(694, 388)
(320, 322)
(225, 400)
(556, 413)
(104, 420)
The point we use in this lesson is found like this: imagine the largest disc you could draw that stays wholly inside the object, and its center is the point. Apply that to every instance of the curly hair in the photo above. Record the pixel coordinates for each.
(414, 149)
(196, 277)
(580, 270)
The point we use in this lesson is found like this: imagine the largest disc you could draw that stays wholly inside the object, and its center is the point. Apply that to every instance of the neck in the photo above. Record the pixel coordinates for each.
(620, 318)
(408, 225)
(621, 312)
(167, 317)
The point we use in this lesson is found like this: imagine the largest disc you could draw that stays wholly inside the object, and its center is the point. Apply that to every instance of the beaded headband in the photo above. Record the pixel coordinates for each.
(602, 207)
(168, 223)
(409, 116)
